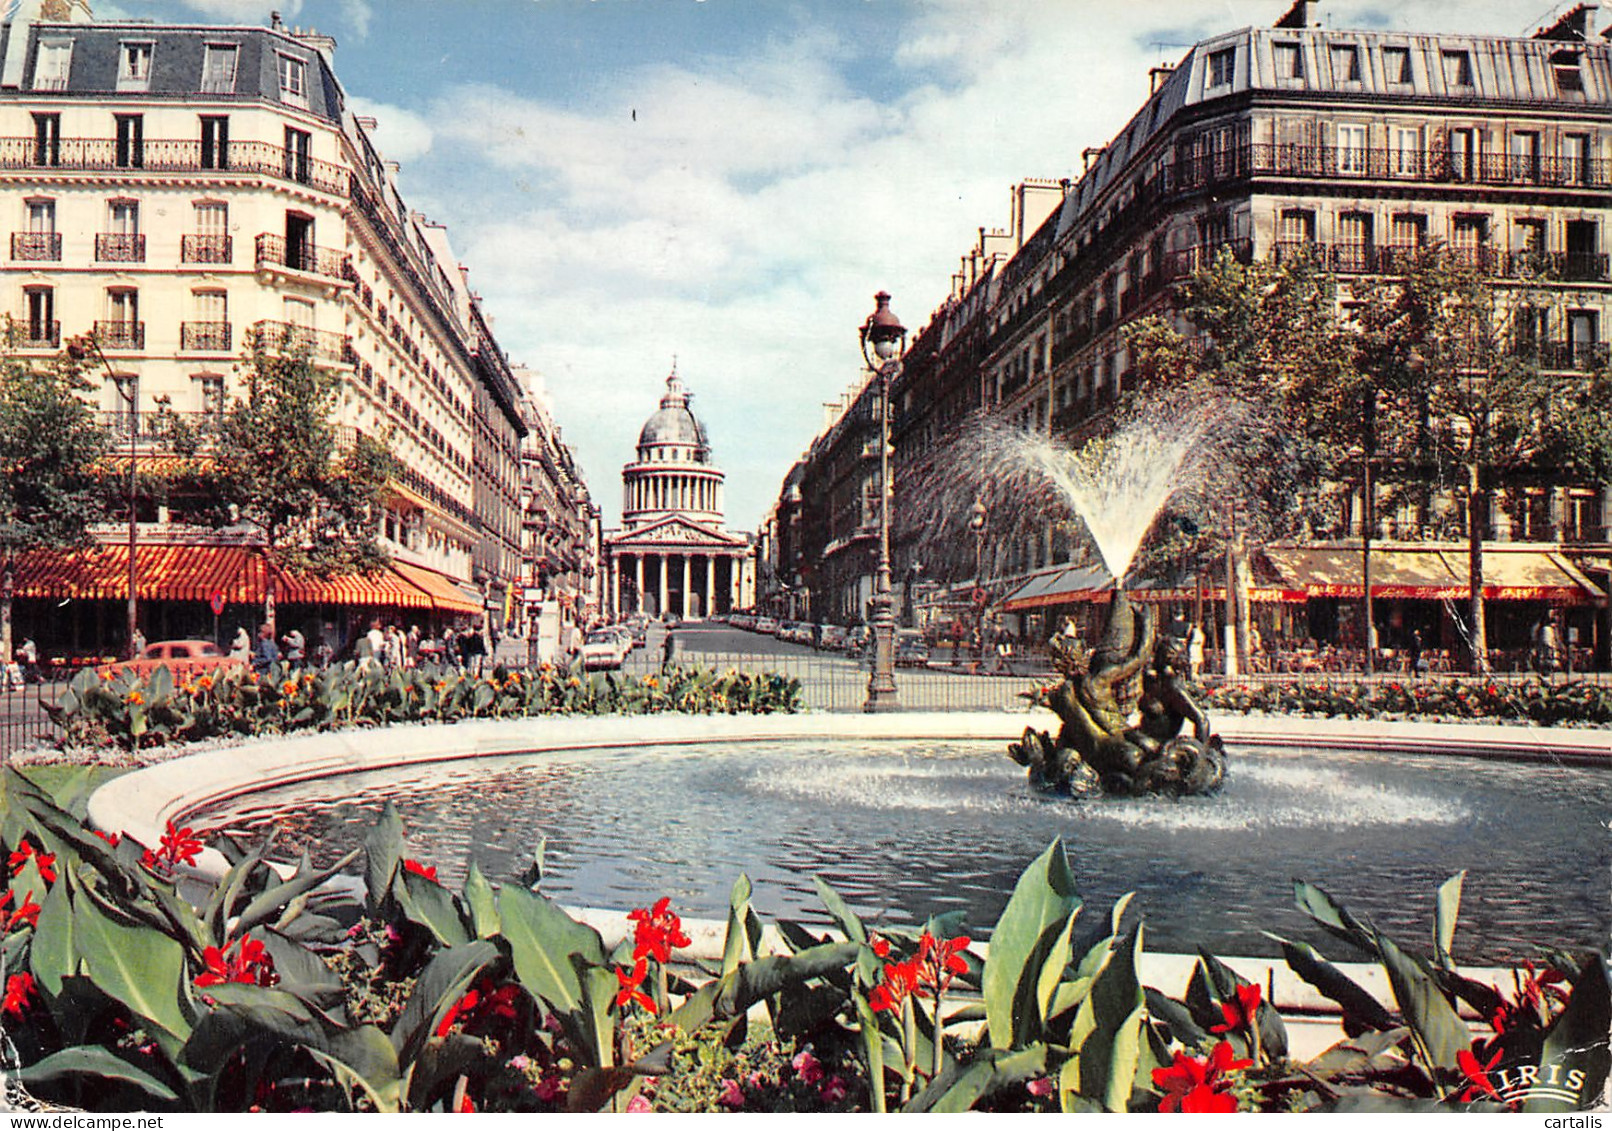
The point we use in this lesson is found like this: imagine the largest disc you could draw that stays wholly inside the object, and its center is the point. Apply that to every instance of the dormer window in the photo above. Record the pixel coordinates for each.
(1289, 61)
(218, 68)
(1222, 67)
(1457, 69)
(54, 62)
(1346, 64)
(293, 80)
(1565, 64)
(134, 66)
(1397, 65)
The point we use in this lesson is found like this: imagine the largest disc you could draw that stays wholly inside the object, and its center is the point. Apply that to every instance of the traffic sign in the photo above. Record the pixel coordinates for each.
(217, 602)
(980, 597)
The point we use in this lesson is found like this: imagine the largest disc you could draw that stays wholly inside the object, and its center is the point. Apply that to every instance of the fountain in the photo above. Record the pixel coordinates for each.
(1123, 704)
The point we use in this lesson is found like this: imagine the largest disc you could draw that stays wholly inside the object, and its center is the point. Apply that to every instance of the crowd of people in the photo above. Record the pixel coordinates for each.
(384, 645)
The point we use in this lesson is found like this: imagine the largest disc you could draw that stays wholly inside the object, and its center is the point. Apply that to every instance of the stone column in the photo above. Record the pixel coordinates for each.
(1558, 514)
(665, 560)
(736, 580)
(638, 590)
(688, 583)
(710, 584)
(615, 586)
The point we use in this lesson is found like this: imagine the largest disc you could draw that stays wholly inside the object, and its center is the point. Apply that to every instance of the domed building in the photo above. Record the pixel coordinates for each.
(672, 553)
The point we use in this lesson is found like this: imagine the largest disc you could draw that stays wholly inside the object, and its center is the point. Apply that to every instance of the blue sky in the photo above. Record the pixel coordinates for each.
(729, 181)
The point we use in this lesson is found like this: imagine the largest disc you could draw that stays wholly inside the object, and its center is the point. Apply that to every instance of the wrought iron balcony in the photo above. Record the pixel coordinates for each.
(36, 246)
(305, 257)
(120, 247)
(174, 156)
(1583, 357)
(205, 336)
(289, 338)
(207, 249)
(156, 429)
(121, 335)
(32, 334)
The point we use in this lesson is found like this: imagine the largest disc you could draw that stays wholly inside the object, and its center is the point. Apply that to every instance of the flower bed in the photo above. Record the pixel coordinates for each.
(132, 712)
(281, 993)
(1537, 701)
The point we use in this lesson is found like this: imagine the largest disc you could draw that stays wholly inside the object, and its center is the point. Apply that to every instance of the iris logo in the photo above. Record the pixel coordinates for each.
(1531, 1082)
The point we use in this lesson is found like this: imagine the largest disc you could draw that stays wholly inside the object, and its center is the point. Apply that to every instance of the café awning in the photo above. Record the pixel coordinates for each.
(1430, 573)
(1061, 586)
(445, 595)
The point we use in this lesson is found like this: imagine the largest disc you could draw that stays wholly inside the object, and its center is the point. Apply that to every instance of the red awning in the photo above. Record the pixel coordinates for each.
(1431, 573)
(445, 596)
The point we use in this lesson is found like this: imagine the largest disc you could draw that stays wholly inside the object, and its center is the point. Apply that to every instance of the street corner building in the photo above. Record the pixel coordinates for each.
(186, 192)
(1347, 148)
(673, 553)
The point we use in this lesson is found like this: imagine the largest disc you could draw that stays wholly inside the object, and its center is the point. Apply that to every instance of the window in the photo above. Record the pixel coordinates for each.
(1463, 154)
(1295, 232)
(134, 66)
(1457, 69)
(123, 217)
(1354, 241)
(1525, 156)
(123, 306)
(1289, 60)
(1469, 239)
(212, 306)
(55, 60)
(212, 217)
(1405, 156)
(1397, 64)
(211, 329)
(210, 393)
(1531, 328)
(1346, 64)
(1575, 158)
(131, 141)
(1407, 230)
(1352, 150)
(1583, 335)
(42, 216)
(42, 329)
(1565, 64)
(293, 80)
(1530, 237)
(297, 145)
(215, 142)
(218, 68)
(299, 312)
(1222, 67)
(47, 139)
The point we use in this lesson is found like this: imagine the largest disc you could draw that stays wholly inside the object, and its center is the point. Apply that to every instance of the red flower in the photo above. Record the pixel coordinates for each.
(250, 965)
(1193, 1085)
(25, 915)
(45, 862)
(19, 988)
(1478, 1074)
(178, 846)
(900, 981)
(657, 930)
(881, 947)
(110, 838)
(940, 960)
(1239, 1014)
(631, 987)
(420, 869)
(482, 1004)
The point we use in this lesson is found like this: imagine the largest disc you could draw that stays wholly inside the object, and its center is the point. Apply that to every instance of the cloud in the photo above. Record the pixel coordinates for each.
(400, 134)
(358, 14)
(245, 11)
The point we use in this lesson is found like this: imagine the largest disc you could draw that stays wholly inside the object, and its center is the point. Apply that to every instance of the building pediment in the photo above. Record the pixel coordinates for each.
(674, 531)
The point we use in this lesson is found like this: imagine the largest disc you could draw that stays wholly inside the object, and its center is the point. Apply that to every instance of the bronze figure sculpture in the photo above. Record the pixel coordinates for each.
(1123, 707)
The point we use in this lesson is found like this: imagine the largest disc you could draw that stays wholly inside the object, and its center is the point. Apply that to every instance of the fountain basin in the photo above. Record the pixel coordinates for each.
(633, 809)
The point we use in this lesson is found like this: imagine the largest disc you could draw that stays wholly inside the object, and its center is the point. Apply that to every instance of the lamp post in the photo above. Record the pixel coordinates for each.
(81, 349)
(976, 524)
(886, 336)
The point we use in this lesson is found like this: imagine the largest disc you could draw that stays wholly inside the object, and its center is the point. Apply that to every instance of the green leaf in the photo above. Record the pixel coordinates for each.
(1116, 998)
(443, 981)
(546, 945)
(98, 1064)
(483, 903)
(732, 994)
(1576, 1045)
(840, 911)
(138, 966)
(52, 955)
(1305, 961)
(267, 905)
(959, 1088)
(432, 906)
(1431, 1017)
(872, 1050)
(1321, 907)
(1445, 912)
(363, 1057)
(383, 854)
(1036, 916)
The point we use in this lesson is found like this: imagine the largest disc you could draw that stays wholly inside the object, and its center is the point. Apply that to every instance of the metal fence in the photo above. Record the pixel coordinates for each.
(23, 721)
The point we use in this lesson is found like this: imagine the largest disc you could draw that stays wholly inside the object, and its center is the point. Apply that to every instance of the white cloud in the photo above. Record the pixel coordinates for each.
(358, 14)
(400, 135)
(245, 11)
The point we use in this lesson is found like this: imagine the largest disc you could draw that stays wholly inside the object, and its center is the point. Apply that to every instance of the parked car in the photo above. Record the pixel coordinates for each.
(767, 625)
(858, 639)
(911, 649)
(831, 637)
(628, 639)
(185, 658)
(602, 649)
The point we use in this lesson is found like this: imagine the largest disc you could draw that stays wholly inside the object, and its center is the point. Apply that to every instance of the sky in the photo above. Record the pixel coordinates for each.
(726, 183)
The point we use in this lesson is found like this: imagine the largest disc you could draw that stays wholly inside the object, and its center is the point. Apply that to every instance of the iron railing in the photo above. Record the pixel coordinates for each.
(36, 246)
(305, 257)
(288, 337)
(120, 335)
(205, 336)
(175, 156)
(36, 335)
(24, 694)
(155, 430)
(206, 249)
(120, 247)
(1194, 171)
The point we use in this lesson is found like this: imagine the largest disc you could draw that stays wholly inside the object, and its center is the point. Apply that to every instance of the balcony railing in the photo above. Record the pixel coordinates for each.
(36, 246)
(37, 335)
(175, 156)
(1193, 171)
(305, 257)
(287, 337)
(207, 249)
(1583, 357)
(119, 247)
(121, 335)
(205, 336)
(156, 429)
(1373, 259)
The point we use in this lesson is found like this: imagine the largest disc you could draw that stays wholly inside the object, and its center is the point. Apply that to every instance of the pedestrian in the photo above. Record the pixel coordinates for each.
(240, 648)
(1549, 647)
(137, 644)
(267, 652)
(475, 649)
(28, 657)
(1194, 651)
(1418, 665)
(668, 651)
(411, 646)
(377, 642)
(294, 646)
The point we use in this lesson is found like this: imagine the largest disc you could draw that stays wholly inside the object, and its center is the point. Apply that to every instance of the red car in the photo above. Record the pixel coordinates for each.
(184, 658)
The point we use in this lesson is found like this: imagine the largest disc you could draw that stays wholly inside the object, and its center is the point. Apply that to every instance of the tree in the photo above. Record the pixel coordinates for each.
(50, 446)
(308, 489)
(1458, 364)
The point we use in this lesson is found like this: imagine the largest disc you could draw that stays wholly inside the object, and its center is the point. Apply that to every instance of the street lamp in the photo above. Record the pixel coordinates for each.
(976, 524)
(81, 349)
(886, 336)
